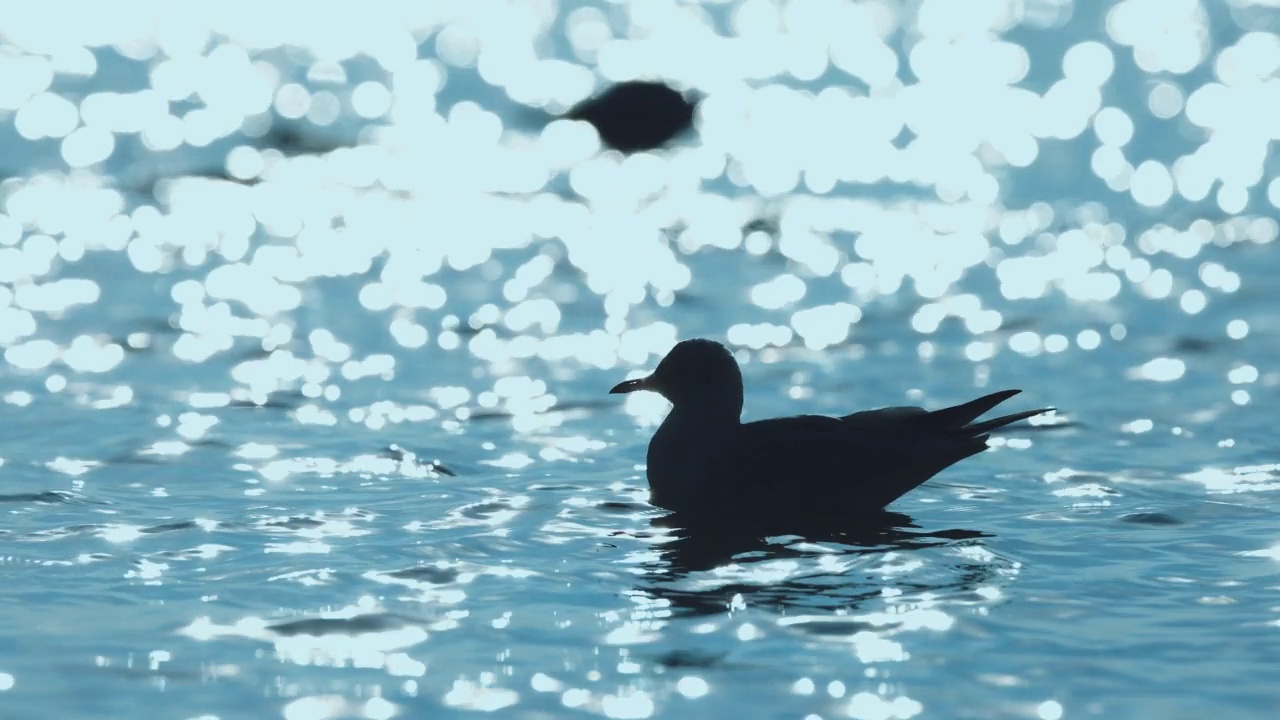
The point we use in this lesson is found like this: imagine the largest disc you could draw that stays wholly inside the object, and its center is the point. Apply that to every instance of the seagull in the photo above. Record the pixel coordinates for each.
(704, 461)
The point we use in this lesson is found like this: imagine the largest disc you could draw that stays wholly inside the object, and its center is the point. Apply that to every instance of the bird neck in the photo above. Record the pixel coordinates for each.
(716, 413)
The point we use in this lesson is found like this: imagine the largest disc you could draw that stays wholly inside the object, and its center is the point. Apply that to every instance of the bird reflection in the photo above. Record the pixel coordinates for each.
(696, 548)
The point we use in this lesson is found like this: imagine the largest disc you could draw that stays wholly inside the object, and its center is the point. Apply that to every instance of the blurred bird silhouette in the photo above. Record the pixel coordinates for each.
(703, 462)
(637, 115)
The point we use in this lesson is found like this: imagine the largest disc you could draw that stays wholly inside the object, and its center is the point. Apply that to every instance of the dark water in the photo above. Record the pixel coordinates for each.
(307, 326)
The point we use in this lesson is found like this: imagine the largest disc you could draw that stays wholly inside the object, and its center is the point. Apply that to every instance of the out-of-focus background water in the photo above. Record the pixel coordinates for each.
(308, 314)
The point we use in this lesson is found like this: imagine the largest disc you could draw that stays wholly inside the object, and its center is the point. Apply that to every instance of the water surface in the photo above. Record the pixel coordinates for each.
(308, 324)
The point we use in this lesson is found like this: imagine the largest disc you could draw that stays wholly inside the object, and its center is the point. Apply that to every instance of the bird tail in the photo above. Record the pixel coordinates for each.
(944, 437)
(960, 418)
(989, 425)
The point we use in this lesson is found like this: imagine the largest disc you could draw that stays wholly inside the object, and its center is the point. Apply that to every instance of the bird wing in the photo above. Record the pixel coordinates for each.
(811, 459)
(864, 460)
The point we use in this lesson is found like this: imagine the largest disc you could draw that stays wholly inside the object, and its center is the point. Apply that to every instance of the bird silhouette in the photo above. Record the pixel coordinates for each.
(636, 115)
(704, 462)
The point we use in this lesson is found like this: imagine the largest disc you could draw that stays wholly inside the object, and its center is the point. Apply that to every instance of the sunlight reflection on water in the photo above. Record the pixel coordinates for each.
(331, 294)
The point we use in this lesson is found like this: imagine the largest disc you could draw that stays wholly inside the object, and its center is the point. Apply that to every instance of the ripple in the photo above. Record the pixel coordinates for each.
(47, 497)
(1151, 518)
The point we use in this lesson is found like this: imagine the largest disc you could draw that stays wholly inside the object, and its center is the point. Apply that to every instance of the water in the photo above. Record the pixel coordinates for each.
(307, 325)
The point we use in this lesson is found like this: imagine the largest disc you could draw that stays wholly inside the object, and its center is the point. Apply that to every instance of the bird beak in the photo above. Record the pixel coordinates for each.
(644, 383)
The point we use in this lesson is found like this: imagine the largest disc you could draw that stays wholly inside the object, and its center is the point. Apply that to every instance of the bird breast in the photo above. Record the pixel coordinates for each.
(682, 458)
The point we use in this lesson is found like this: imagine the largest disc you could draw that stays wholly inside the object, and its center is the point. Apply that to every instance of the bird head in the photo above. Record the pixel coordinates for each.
(696, 373)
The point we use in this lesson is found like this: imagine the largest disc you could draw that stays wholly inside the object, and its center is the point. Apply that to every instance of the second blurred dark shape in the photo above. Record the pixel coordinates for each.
(637, 115)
